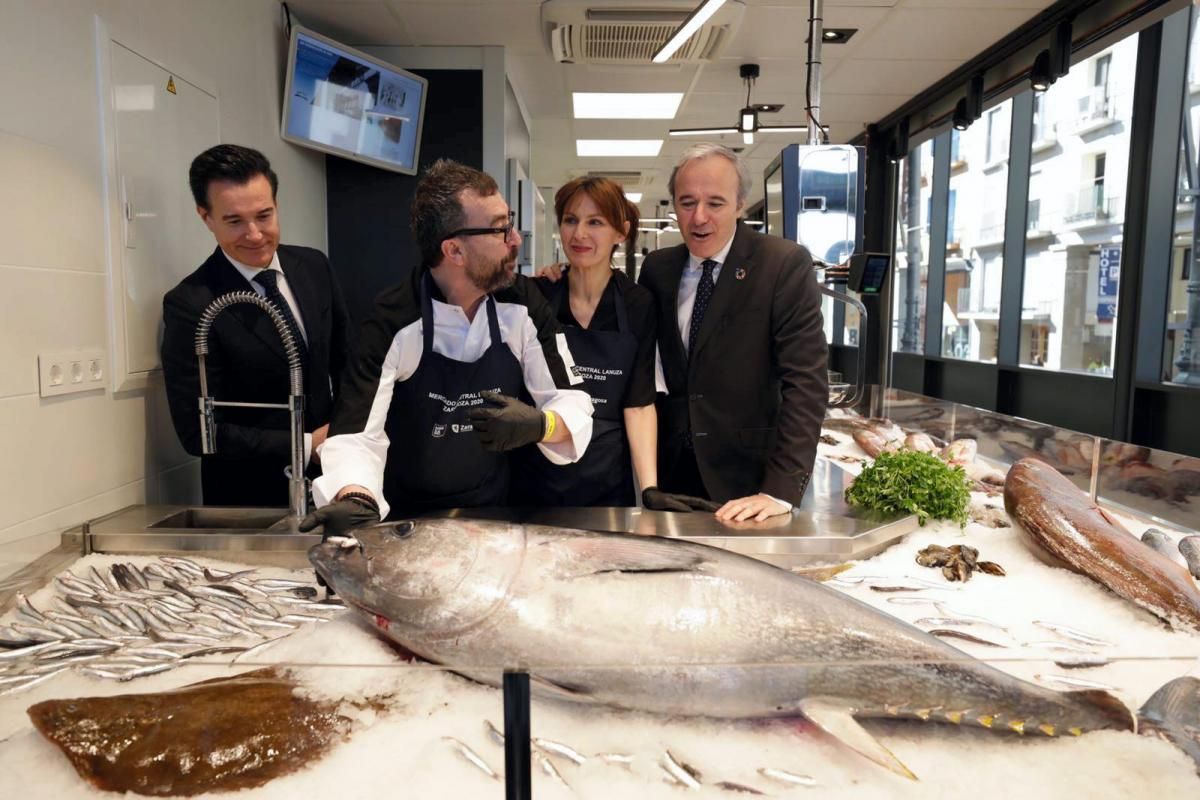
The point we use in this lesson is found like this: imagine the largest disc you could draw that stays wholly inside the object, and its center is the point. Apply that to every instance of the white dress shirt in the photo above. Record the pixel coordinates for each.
(688, 282)
(248, 273)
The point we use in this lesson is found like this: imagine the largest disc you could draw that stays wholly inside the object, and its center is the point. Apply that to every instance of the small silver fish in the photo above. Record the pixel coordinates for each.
(24, 682)
(1071, 682)
(938, 622)
(1081, 661)
(472, 757)
(619, 759)
(676, 773)
(789, 778)
(493, 732)
(1071, 633)
(903, 600)
(730, 786)
(560, 749)
(220, 575)
(549, 769)
(956, 634)
(258, 648)
(954, 612)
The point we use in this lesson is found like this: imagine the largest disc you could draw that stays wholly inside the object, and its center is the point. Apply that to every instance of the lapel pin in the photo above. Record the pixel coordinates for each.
(740, 273)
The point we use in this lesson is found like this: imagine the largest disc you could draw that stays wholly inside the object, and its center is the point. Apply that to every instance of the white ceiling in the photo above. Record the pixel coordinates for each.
(902, 46)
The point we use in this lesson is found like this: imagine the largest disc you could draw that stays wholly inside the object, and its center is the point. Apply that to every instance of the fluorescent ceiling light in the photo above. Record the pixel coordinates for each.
(634, 197)
(618, 147)
(689, 27)
(702, 131)
(626, 105)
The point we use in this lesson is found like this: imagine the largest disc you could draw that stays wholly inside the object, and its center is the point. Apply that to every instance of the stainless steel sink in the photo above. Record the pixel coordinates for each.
(223, 519)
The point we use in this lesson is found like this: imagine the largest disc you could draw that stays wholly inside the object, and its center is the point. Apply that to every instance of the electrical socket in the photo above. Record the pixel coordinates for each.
(71, 371)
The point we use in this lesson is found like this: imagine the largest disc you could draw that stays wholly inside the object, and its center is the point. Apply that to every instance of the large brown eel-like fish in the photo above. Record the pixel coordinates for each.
(1063, 522)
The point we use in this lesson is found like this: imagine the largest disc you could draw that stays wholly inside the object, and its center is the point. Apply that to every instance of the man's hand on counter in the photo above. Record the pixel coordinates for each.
(351, 510)
(655, 499)
(756, 507)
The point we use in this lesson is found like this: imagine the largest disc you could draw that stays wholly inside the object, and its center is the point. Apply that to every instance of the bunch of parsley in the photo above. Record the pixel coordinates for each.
(908, 482)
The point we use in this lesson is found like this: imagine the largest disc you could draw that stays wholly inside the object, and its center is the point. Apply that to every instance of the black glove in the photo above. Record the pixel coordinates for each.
(655, 499)
(342, 516)
(506, 423)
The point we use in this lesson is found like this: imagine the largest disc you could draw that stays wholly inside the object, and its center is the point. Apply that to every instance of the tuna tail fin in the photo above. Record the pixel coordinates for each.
(835, 717)
(1118, 714)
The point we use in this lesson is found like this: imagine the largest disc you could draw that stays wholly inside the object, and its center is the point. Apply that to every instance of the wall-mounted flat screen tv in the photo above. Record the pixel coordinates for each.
(345, 102)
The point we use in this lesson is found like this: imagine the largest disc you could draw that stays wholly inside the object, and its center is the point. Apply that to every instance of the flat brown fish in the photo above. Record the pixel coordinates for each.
(1064, 523)
(219, 735)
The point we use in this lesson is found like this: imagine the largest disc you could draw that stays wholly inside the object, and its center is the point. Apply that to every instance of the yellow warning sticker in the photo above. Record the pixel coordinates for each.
(171, 84)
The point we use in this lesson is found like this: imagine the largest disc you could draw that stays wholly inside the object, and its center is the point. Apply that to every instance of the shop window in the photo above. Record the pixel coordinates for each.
(913, 193)
(1181, 350)
(1076, 218)
(975, 210)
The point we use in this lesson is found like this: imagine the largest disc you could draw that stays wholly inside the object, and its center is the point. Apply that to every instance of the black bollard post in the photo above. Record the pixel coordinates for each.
(516, 736)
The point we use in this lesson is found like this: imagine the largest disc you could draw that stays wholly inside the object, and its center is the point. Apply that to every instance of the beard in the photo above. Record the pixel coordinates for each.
(493, 276)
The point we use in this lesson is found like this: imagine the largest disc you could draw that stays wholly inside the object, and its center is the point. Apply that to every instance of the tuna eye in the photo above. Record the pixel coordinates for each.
(402, 530)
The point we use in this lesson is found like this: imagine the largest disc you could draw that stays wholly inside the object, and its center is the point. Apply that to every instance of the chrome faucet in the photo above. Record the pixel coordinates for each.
(297, 490)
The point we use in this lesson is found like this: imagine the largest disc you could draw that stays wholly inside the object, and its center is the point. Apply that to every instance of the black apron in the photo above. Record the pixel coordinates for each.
(435, 459)
(603, 476)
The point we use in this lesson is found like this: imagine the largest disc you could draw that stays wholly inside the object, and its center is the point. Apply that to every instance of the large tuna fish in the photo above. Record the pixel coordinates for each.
(1064, 524)
(692, 630)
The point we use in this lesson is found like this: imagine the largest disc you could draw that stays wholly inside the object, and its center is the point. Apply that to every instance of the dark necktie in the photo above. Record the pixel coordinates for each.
(704, 291)
(269, 280)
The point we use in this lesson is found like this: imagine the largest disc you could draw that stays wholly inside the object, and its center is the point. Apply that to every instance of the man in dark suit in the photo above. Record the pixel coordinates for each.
(234, 188)
(741, 346)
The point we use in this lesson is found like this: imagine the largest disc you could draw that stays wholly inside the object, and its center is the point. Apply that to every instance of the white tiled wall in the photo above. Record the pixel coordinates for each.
(70, 458)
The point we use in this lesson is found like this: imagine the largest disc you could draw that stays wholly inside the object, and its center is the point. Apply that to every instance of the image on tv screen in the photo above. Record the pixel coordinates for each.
(344, 103)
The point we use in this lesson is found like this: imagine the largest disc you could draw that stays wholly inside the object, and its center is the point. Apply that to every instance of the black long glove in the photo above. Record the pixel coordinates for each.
(655, 499)
(506, 423)
(341, 517)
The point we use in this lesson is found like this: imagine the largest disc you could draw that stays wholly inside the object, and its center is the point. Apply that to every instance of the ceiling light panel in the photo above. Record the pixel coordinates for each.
(626, 105)
(618, 147)
(633, 197)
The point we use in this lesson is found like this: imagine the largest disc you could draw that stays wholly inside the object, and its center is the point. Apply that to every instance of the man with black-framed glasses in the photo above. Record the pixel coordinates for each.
(431, 402)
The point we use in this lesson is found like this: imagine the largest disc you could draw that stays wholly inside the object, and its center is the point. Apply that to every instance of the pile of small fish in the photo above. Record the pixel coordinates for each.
(128, 621)
(958, 562)
(673, 769)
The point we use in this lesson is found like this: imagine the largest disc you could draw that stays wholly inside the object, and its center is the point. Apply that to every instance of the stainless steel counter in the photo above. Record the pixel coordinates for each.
(822, 530)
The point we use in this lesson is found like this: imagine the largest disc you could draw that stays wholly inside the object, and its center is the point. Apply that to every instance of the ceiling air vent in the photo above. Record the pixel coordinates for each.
(627, 179)
(630, 32)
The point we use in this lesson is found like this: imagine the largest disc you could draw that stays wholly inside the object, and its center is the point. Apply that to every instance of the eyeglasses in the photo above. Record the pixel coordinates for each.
(506, 230)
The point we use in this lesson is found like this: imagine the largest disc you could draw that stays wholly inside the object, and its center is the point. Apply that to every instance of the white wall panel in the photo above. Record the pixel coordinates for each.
(81, 456)
(43, 310)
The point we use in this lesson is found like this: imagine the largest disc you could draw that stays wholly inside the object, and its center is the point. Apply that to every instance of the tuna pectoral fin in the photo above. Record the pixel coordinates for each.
(834, 717)
(592, 554)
